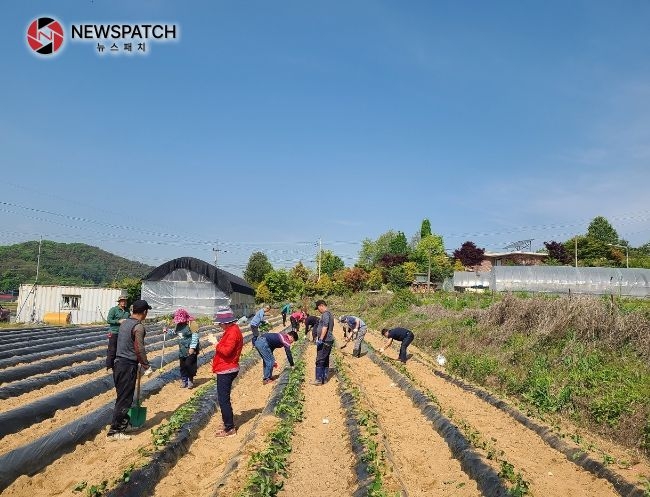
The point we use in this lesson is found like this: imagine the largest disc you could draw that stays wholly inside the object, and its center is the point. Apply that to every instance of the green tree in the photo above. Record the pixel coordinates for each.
(432, 248)
(299, 271)
(372, 251)
(375, 279)
(397, 278)
(257, 268)
(425, 229)
(262, 293)
(410, 268)
(330, 263)
(279, 284)
(132, 286)
(600, 229)
(324, 285)
(398, 245)
(591, 252)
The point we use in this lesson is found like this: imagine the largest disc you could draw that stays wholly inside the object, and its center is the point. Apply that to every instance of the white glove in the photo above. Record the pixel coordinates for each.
(148, 371)
(381, 351)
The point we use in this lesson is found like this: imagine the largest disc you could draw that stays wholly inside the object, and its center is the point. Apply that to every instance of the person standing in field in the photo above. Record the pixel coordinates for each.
(286, 309)
(130, 354)
(116, 316)
(401, 335)
(324, 342)
(257, 320)
(225, 365)
(188, 346)
(355, 325)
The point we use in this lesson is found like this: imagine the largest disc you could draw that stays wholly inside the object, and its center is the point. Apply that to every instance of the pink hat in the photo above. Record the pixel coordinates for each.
(182, 316)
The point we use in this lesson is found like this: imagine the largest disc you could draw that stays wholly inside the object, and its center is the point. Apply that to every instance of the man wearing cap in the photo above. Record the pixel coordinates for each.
(225, 365)
(324, 342)
(115, 318)
(129, 356)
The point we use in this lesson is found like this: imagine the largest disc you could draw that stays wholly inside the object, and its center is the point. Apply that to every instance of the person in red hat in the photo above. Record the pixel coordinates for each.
(225, 365)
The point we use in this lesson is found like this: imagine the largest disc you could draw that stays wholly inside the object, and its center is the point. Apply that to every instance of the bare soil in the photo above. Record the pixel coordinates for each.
(423, 462)
(548, 471)
(321, 459)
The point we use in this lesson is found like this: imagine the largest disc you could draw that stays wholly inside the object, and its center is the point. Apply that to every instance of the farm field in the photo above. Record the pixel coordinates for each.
(375, 428)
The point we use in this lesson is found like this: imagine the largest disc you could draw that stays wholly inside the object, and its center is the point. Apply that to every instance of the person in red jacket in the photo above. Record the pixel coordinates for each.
(226, 366)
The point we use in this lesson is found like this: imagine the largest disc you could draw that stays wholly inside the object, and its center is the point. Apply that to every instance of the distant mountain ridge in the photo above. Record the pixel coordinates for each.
(64, 264)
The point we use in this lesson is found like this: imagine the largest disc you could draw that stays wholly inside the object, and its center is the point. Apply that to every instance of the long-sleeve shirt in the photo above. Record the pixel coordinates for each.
(113, 319)
(228, 350)
(258, 318)
(277, 340)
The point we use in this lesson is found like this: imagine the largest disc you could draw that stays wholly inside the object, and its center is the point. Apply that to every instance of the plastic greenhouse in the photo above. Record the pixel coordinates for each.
(196, 286)
(631, 282)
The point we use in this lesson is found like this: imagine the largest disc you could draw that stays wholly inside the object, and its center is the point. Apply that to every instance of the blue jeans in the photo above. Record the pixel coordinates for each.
(224, 387)
(256, 332)
(405, 343)
(266, 354)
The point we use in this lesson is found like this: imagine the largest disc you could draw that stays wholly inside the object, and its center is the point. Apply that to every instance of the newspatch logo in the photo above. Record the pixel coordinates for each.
(45, 35)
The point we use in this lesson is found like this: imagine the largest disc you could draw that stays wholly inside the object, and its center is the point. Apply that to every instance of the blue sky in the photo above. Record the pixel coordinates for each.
(269, 125)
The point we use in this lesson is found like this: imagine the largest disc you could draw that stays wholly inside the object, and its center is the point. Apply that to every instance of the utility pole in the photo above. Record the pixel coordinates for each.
(216, 251)
(429, 274)
(320, 256)
(38, 267)
(576, 249)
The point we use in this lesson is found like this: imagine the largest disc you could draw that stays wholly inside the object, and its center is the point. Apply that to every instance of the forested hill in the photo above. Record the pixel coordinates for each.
(64, 264)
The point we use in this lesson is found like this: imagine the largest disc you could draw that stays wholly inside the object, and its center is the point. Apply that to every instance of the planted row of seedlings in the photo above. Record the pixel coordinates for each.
(505, 438)
(52, 446)
(374, 475)
(426, 453)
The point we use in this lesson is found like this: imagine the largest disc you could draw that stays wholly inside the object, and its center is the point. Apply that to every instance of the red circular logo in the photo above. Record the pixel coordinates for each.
(45, 35)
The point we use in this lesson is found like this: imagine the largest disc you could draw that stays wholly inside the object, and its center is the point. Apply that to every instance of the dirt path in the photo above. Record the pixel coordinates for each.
(422, 459)
(547, 471)
(200, 469)
(321, 459)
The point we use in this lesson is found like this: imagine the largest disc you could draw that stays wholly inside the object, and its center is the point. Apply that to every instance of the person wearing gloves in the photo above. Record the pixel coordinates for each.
(257, 320)
(225, 365)
(188, 346)
(324, 342)
(265, 346)
(116, 316)
(355, 325)
(401, 335)
(129, 356)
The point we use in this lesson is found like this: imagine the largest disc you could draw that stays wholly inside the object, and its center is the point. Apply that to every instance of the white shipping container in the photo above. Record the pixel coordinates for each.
(85, 304)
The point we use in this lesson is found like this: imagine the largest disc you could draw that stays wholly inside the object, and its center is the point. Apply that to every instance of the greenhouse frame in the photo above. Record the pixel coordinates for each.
(196, 286)
(632, 282)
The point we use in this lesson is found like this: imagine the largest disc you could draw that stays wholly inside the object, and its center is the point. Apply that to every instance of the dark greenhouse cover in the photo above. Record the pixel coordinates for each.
(226, 281)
